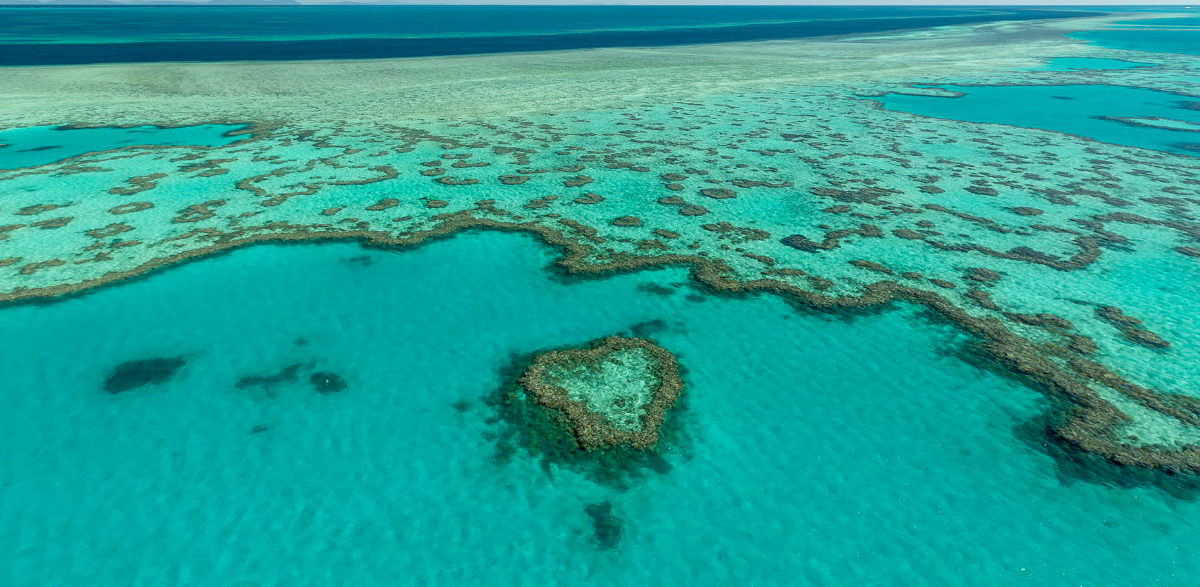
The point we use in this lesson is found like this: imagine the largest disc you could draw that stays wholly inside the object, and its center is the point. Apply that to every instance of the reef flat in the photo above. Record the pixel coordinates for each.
(615, 391)
(764, 167)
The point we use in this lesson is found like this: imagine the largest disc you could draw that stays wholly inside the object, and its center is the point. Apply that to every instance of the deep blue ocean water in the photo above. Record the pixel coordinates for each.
(64, 24)
(56, 36)
(817, 450)
(39, 145)
(1082, 110)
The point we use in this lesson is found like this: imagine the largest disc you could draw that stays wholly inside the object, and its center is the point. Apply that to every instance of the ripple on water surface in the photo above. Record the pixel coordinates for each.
(822, 450)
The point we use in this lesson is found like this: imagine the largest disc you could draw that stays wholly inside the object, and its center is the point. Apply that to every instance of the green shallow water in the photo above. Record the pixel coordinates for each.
(817, 450)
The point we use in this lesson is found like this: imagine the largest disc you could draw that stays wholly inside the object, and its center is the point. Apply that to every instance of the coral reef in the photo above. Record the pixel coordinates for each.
(840, 205)
(615, 391)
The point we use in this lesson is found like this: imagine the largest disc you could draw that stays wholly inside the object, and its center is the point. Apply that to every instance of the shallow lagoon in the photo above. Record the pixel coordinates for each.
(1086, 63)
(1083, 110)
(40, 145)
(1184, 42)
(818, 450)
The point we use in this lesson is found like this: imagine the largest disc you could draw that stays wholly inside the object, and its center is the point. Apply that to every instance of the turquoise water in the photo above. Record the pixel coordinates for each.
(1075, 63)
(1184, 42)
(40, 145)
(1082, 110)
(820, 451)
(1187, 21)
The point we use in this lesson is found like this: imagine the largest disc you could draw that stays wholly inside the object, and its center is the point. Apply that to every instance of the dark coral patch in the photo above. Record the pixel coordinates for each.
(288, 374)
(134, 374)
(513, 179)
(37, 209)
(655, 289)
(606, 527)
(651, 327)
(130, 207)
(718, 193)
(1131, 328)
(384, 204)
(982, 190)
(52, 223)
(326, 382)
(589, 198)
(577, 180)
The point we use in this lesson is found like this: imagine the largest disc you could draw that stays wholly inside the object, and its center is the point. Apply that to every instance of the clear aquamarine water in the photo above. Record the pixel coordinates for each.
(39, 145)
(1145, 35)
(1087, 63)
(823, 451)
(1083, 110)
